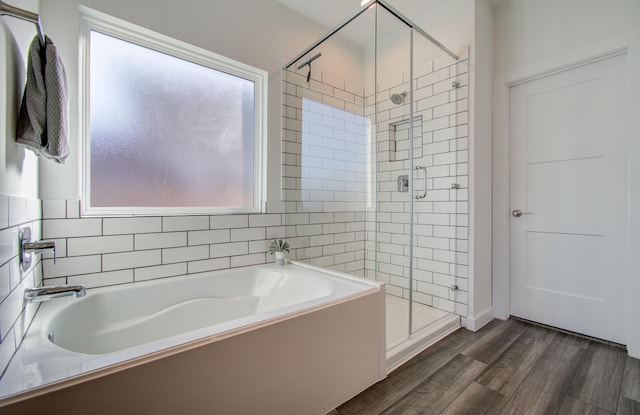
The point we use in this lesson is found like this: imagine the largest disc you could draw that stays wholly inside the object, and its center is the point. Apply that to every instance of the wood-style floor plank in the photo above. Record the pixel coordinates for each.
(599, 379)
(476, 400)
(491, 346)
(543, 390)
(575, 340)
(530, 370)
(508, 371)
(627, 406)
(572, 406)
(404, 379)
(631, 380)
(440, 389)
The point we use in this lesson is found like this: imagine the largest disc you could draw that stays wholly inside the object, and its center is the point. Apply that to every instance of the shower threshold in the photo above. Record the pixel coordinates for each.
(429, 326)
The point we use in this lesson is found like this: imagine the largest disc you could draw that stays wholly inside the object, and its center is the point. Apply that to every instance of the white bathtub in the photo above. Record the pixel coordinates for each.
(246, 329)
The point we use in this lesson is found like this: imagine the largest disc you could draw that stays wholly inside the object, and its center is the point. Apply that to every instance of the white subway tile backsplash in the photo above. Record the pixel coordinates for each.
(99, 245)
(124, 260)
(16, 274)
(4, 213)
(208, 237)
(103, 279)
(123, 226)
(17, 210)
(245, 260)
(160, 240)
(54, 209)
(10, 310)
(229, 221)
(190, 253)
(72, 266)
(258, 246)
(73, 209)
(159, 271)
(274, 219)
(279, 232)
(69, 228)
(247, 234)
(185, 223)
(5, 281)
(8, 244)
(228, 249)
(208, 265)
(7, 349)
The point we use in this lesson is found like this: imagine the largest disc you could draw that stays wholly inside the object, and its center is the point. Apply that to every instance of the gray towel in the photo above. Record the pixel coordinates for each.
(42, 122)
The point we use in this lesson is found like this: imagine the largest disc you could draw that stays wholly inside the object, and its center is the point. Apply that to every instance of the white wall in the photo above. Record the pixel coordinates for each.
(459, 24)
(532, 37)
(256, 32)
(531, 33)
(481, 308)
(18, 166)
(19, 203)
(124, 250)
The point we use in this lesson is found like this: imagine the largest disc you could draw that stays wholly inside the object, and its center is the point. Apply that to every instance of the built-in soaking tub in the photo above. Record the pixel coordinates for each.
(264, 339)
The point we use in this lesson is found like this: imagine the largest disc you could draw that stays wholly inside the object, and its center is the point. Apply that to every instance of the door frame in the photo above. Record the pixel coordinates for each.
(629, 45)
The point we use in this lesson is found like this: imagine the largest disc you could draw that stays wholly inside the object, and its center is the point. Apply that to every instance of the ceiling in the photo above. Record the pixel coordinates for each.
(330, 13)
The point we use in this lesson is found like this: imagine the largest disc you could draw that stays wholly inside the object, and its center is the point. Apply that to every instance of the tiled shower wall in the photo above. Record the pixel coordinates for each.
(319, 219)
(101, 251)
(441, 219)
(16, 213)
(325, 171)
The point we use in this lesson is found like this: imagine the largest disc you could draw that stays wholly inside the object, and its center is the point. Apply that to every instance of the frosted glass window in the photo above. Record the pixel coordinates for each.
(165, 132)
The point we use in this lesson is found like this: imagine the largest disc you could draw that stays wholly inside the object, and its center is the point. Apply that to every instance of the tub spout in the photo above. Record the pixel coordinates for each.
(32, 295)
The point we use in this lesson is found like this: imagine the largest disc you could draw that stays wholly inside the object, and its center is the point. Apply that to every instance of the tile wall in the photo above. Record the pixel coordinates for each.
(440, 219)
(15, 317)
(322, 120)
(102, 251)
(326, 152)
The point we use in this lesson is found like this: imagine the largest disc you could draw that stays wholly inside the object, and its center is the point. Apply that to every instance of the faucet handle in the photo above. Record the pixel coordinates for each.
(38, 247)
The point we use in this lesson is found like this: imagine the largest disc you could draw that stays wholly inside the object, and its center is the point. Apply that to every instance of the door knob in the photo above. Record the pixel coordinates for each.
(517, 213)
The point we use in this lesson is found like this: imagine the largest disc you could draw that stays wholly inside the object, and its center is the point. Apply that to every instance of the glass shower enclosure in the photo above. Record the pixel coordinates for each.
(374, 168)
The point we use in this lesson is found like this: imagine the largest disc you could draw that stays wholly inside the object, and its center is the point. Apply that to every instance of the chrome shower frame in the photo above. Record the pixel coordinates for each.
(364, 8)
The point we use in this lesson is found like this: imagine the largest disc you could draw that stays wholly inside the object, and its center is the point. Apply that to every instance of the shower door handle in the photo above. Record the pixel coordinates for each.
(424, 193)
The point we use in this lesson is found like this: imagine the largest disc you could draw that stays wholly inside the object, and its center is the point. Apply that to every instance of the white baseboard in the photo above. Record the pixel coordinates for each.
(475, 323)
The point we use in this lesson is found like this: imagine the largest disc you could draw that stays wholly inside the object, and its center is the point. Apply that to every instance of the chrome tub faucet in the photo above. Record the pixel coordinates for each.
(33, 295)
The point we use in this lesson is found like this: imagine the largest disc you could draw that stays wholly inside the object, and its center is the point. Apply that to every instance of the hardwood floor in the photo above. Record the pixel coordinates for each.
(508, 367)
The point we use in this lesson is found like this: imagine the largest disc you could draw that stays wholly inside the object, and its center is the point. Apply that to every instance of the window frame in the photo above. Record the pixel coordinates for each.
(91, 20)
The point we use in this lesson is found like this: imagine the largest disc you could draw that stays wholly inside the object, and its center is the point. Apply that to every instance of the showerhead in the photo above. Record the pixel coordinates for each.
(398, 98)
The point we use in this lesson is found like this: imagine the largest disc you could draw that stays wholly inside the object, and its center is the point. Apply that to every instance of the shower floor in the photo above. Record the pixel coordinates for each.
(429, 325)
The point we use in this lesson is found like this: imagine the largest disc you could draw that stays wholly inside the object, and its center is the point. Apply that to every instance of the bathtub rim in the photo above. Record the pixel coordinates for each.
(112, 364)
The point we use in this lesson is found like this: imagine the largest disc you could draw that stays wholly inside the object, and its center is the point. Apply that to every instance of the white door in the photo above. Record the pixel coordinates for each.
(569, 178)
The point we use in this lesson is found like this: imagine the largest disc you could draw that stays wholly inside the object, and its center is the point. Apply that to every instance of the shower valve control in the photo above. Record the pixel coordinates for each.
(403, 183)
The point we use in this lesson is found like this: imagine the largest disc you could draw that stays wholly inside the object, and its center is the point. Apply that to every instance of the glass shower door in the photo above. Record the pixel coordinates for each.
(392, 56)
